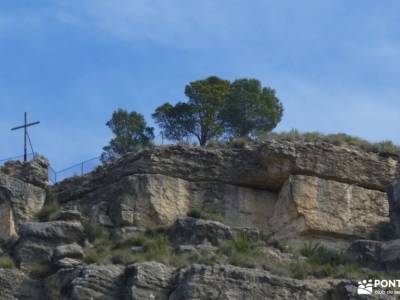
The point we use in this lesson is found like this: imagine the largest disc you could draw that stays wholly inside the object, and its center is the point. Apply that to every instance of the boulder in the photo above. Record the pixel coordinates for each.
(198, 231)
(104, 282)
(311, 206)
(19, 202)
(149, 280)
(38, 240)
(34, 172)
(129, 232)
(98, 282)
(58, 285)
(68, 215)
(53, 231)
(67, 263)
(138, 200)
(71, 250)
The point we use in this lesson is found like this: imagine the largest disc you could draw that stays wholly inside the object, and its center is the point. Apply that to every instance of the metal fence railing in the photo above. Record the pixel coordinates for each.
(19, 157)
(79, 169)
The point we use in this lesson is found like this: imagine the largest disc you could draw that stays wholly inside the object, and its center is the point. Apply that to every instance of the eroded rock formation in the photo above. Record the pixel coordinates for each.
(122, 231)
(277, 187)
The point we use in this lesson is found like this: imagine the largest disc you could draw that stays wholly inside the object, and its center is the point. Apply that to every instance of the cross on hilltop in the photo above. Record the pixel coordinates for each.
(26, 136)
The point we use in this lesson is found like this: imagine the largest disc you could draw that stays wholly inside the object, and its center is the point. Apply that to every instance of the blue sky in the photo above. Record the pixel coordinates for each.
(335, 64)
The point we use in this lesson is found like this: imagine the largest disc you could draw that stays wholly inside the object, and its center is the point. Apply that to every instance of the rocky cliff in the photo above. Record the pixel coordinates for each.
(278, 220)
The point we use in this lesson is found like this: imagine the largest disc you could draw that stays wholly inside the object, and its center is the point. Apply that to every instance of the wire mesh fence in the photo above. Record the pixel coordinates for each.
(79, 169)
(30, 156)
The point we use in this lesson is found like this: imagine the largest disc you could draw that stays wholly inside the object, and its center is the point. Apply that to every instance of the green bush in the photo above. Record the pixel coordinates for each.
(319, 254)
(239, 142)
(336, 139)
(124, 256)
(195, 213)
(6, 262)
(48, 212)
(300, 269)
(156, 247)
(242, 244)
(200, 214)
(241, 252)
(92, 256)
(40, 270)
(96, 232)
(281, 246)
(215, 144)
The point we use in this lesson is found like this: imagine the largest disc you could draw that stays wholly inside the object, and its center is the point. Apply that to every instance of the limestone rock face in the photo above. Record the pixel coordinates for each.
(86, 282)
(71, 250)
(236, 205)
(367, 252)
(158, 185)
(22, 193)
(153, 200)
(390, 255)
(149, 280)
(98, 282)
(198, 231)
(38, 240)
(34, 172)
(19, 202)
(15, 285)
(150, 199)
(266, 166)
(394, 203)
(314, 206)
(229, 282)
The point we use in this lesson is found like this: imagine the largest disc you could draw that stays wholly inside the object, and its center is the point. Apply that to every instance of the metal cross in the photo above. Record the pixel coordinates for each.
(25, 127)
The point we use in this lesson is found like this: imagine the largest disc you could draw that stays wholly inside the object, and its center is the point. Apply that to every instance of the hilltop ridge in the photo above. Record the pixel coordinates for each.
(181, 222)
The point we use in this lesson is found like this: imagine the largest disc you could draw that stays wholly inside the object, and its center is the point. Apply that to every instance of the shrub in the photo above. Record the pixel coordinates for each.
(215, 144)
(241, 252)
(336, 139)
(281, 246)
(300, 269)
(199, 214)
(195, 213)
(123, 256)
(6, 262)
(49, 211)
(310, 249)
(242, 244)
(158, 248)
(95, 232)
(39, 270)
(239, 142)
(319, 254)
